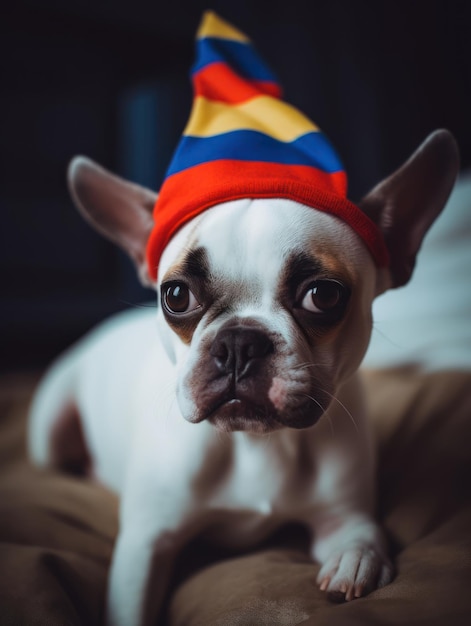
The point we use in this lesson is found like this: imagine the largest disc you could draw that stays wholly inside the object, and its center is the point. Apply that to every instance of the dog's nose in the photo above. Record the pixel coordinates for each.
(237, 349)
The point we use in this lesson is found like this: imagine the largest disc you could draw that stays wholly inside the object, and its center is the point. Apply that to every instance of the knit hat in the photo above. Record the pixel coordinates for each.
(243, 141)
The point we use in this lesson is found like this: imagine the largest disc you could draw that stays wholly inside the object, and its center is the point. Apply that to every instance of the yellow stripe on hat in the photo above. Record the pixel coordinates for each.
(213, 26)
(264, 114)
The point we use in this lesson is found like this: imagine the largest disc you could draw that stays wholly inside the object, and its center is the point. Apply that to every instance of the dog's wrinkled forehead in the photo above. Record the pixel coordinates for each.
(252, 243)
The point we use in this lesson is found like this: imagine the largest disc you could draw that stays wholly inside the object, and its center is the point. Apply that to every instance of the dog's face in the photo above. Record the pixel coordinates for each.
(265, 305)
(268, 303)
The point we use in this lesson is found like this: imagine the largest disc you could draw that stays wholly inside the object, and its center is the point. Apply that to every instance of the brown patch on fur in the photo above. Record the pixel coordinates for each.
(333, 266)
(219, 461)
(68, 446)
(191, 269)
(321, 335)
(301, 270)
(184, 331)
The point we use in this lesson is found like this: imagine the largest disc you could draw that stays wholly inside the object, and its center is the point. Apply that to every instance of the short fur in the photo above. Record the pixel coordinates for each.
(252, 357)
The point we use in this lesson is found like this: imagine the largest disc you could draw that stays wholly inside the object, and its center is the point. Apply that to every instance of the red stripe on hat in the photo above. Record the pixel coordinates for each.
(182, 198)
(220, 83)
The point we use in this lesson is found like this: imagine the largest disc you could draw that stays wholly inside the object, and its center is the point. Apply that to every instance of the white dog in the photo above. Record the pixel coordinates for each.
(236, 407)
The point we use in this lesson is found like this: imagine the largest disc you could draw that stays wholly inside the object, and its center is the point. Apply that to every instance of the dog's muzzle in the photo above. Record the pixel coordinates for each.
(243, 382)
(238, 369)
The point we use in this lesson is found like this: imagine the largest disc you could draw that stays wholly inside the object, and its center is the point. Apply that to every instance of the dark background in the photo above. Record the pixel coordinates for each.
(109, 80)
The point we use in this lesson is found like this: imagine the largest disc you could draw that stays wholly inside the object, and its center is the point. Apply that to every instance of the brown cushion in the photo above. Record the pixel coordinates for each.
(423, 425)
(56, 532)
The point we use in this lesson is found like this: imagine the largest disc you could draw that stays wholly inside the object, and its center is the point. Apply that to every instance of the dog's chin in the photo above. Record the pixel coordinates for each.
(241, 415)
(238, 414)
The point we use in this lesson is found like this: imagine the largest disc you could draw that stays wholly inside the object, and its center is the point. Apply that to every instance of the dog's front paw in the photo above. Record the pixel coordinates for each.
(354, 573)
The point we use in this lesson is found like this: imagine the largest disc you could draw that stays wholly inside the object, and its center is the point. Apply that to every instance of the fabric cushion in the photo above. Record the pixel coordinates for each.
(57, 532)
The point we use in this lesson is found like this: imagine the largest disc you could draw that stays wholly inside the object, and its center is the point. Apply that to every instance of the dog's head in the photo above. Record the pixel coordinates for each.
(265, 304)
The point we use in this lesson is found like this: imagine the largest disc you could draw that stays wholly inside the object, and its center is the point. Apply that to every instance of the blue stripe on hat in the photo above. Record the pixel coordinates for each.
(240, 57)
(312, 149)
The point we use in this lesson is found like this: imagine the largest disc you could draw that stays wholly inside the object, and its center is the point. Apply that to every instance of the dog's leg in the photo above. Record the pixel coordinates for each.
(159, 514)
(347, 541)
(140, 574)
(143, 561)
(157, 518)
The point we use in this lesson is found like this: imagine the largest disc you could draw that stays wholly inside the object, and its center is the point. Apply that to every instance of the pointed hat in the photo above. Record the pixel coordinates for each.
(243, 141)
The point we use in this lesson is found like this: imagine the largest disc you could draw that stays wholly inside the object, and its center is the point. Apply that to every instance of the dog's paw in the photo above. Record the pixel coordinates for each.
(354, 573)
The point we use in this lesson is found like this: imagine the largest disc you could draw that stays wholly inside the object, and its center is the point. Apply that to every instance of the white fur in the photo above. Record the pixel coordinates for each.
(177, 479)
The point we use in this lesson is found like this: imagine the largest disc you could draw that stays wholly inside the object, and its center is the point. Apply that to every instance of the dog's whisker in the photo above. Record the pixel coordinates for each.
(138, 305)
(303, 366)
(342, 405)
(331, 423)
(306, 395)
(325, 412)
(167, 397)
(384, 336)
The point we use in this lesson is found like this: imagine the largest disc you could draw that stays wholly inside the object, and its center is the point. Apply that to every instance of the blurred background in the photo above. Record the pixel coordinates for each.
(110, 80)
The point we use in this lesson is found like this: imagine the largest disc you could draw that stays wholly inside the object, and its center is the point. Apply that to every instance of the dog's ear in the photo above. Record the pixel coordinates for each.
(405, 204)
(120, 210)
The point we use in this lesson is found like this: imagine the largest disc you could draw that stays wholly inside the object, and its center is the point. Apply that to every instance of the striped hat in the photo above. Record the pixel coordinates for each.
(243, 141)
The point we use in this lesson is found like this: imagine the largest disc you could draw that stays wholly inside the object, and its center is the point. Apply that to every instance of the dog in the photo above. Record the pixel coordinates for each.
(236, 406)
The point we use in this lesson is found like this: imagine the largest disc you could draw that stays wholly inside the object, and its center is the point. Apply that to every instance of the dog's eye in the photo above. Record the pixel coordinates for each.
(324, 296)
(178, 298)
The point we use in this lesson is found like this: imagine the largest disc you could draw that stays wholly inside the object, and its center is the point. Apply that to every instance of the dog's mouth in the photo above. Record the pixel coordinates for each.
(231, 414)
